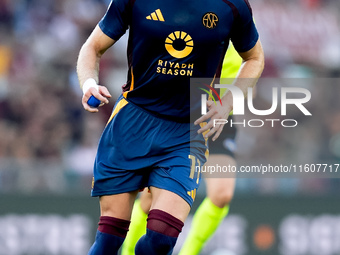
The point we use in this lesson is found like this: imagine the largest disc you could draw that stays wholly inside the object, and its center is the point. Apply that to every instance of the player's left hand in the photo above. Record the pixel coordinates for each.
(101, 94)
(215, 111)
(91, 88)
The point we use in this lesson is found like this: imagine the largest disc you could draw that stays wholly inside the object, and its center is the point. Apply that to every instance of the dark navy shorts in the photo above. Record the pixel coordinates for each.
(138, 149)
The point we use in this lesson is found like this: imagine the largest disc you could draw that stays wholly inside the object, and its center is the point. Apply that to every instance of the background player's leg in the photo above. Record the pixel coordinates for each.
(165, 221)
(221, 190)
(137, 229)
(212, 210)
(114, 223)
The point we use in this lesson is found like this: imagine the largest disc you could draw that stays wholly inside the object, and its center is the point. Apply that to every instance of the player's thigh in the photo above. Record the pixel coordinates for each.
(220, 189)
(169, 202)
(145, 200)
(118, 205)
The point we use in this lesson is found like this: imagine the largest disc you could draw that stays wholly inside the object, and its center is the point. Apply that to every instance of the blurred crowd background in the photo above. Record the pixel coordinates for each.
(48, 142)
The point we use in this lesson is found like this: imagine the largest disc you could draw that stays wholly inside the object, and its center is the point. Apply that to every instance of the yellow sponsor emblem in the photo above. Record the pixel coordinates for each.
(179, 44)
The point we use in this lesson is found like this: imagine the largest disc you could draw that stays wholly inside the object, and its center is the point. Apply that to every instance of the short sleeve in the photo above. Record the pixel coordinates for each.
(244, 33)
(116, 19)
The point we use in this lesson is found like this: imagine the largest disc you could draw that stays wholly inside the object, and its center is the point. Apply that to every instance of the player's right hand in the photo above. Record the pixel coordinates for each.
(99, 92)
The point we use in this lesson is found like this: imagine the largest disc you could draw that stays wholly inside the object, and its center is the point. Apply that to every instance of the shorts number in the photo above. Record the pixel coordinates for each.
(193, 168)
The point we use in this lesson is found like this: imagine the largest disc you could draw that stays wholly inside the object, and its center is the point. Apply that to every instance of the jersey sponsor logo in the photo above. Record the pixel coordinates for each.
(179, 44)
(174, 68)
(210, 20)
(156, 15)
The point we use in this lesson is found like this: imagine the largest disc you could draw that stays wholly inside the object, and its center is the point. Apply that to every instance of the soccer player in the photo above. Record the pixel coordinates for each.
(220, 191)
(149, 140)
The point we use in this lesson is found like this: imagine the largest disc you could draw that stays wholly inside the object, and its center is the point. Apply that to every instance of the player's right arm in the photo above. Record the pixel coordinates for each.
(88, 67)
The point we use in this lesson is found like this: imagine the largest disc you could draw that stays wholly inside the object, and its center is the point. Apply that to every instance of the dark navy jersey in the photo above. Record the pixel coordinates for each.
(173, 41)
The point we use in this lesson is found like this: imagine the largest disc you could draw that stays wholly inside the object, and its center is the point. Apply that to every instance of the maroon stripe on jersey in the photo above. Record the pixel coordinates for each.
(220, 64)
(127, 86)
(248, 4)
(233, 9)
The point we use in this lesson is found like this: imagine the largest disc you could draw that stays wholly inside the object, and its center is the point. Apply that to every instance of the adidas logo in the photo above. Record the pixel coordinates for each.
(156, 15)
